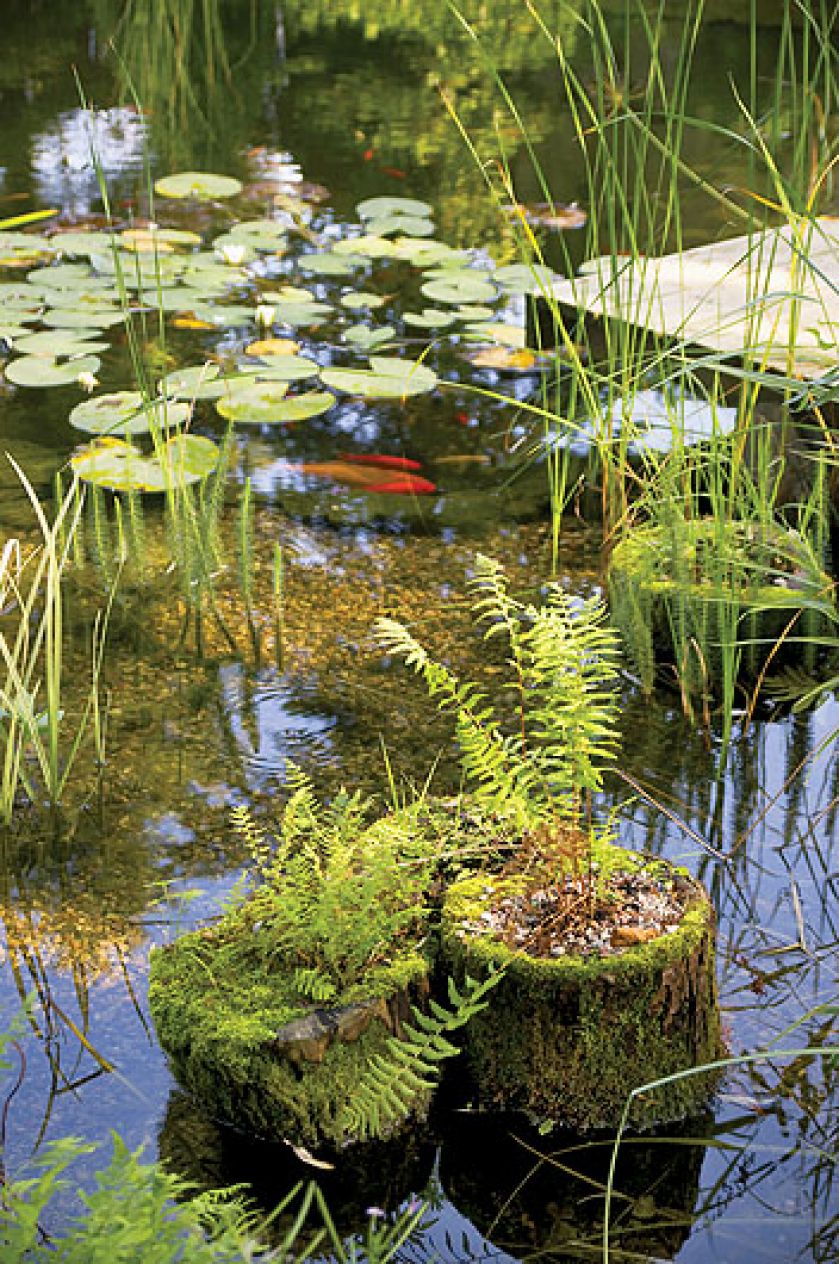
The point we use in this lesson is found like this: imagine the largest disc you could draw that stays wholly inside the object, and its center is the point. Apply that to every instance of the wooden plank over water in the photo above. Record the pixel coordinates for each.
(771, 297)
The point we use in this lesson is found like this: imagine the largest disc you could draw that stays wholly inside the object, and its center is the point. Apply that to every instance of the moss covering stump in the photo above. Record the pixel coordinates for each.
(567, 1038)
(253, 1060)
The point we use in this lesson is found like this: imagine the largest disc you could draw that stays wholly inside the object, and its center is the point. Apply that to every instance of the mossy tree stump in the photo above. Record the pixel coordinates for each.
(567, 1038)
(253, 1061)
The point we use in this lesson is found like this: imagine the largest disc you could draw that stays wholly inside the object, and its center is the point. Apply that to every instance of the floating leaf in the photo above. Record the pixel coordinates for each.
(83, 243)
(525, 278)
(124, 413)
(67, 276)
(203, 186)
(373, 247)
(363, 299)
(402, 225)
(423, 253)
(42, 371)
(507, 335)
(516, 359)
(459, 287)
(115, 464)
(388, 378)
(8, 333)
(151, 239)
(265, 403)
(366, 339)
(301, 314)
(474, 311)
(288, 368)
(431, 318)
(94, 320)
(330, 263)
(59, 342)
(259, 234)
(198, 381)
(377, 207)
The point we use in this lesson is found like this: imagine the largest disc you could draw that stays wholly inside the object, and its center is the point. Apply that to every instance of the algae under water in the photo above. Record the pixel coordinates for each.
(189, 738)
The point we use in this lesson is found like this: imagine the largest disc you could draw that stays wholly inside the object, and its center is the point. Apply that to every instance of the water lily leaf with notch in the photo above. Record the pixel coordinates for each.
(475, 312)
(124, 413)
(430, 318)
(331, 263)
(423, 253)
(377, 207)
(365, 338)
(198, 381)
(459, 287)
(265, 403)
(149, 239)
(213, 276)
(387, 378)
(202, 186)
(20, 298)
(224, 316)
(361, 299)
(60, 342)
(260, 234)
(94, 320)
(368, 245)
(287, 368)
(8, 333)
(42, 371)
(525, 278)
(82, 300)
(117, 465)
(401, 225)
(83, 243)
(289, 293)
(68, 276)
(297, 314)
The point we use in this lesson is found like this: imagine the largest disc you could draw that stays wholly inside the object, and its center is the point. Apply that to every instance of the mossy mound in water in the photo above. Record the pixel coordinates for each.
(568, 1037)
(254, 1057)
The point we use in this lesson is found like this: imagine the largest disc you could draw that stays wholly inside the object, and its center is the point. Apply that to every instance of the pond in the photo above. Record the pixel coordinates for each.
(239, 635)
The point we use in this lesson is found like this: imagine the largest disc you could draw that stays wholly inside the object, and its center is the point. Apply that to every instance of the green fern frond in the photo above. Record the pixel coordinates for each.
(312, 984)
(396, 1080)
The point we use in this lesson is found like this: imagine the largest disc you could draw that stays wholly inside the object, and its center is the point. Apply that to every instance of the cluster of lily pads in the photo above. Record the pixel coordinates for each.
(81, 286)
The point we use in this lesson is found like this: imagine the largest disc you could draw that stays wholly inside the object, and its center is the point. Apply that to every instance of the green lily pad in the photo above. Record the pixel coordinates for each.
(430, 318)
(401, 225)
(59, 342)
(260, 234)
(377, 207)
(525, 278)
(83, 243)
(330, 263)
(216, 276)
(290, 294)
(372, 247)
(366, 338)
(94, 321)
(423, 253)
(42, 371)
(148, 238)
(8, 333)
(67, 276)
(198, 381)
(458, 288)
(82, 300)
(362, 299)
(115, 464)
(288, 368)
(301, 314)
(244, 406)
(387, 378)
(203, 186)
(227, 316)
(124, 413)
(475, 312)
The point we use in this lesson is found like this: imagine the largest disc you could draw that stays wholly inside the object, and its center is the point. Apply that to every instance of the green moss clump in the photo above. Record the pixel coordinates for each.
(218, 1015)
(568, 1038)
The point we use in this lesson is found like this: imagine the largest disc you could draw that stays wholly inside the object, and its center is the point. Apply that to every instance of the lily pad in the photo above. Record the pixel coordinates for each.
(265, 403)
(115, 464)
(369, 245)
(288, 368)
(8, 333)
(42, 371)
(506, 359)
(366, 338)
(459, 287)
(203, 186)
(198, 381)
(331, 263)
(260, 234)
(361, 300)
(94, 320)
(377, 207)
(387, 378)
(60, 342)
(151, 239)
(423, 253)
(83, 243)
(430, 318)
(272, 346)
(124, 413)
(302, 314)
(68, 276)
(525, 278)
(401, 225)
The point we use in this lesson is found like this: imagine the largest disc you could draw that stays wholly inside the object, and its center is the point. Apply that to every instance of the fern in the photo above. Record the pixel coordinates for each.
(409, 1068)
(311, 983)
(564, 661)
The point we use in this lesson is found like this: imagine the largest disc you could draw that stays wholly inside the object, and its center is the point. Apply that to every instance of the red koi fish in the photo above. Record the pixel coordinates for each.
(405, 485)
(375, 458)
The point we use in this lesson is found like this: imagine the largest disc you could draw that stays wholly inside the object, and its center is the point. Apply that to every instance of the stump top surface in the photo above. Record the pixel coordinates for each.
(771, 297)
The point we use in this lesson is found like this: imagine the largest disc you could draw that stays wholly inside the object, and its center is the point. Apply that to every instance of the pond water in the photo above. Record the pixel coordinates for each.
(351, 97)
